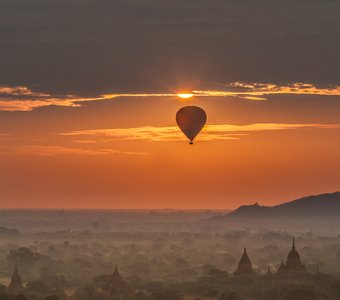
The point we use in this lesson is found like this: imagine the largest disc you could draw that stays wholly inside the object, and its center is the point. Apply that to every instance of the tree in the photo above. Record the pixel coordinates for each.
(166, 295)
(51, 298)
(37, 290)
(3, 289)
(336, 288)
(88, 292)
(102, 280)
(8, 233)
(20, 297)
(5, 297)
(140, 295)
(296, 292)
(229, 295)
(217, 274)
(23, 257)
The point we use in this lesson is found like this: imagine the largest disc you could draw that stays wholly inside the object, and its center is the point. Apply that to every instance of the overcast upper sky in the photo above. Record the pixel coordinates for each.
(88, 102)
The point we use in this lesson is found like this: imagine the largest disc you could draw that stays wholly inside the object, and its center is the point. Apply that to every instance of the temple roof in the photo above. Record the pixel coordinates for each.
(245, 265)
(245, 259)
(293, 254)
(16, 282)
(117, 282)
(16, 277)
(116, 276)
(293, 261)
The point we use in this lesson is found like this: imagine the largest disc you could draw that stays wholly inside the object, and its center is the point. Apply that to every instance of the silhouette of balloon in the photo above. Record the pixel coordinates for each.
(191, 120)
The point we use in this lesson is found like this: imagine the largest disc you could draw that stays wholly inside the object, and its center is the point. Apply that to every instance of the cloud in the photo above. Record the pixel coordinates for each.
(172, 133)
(99, 141)
(254, 91)
(19, 91)
(147, 133)
(42, 150)
(22, 98)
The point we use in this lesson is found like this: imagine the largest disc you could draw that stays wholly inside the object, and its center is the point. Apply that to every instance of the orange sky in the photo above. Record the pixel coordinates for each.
(126, 151)
(88, 102)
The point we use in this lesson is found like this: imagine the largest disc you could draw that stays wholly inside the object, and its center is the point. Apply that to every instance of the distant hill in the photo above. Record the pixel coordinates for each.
(324, 206)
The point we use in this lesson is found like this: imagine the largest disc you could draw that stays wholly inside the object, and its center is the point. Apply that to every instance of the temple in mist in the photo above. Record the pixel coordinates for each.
(293, 269)
(116, 287)
(245, 267)
(15, 286)
(293, 263)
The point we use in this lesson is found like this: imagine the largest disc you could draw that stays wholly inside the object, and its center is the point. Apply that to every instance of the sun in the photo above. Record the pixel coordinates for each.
(185, 96)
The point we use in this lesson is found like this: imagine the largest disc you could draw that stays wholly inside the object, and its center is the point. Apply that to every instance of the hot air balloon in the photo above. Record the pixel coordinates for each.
(191, 120)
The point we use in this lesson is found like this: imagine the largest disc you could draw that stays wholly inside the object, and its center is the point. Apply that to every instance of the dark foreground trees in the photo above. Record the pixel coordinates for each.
(229, 295)
(301, 292)
(166, 295)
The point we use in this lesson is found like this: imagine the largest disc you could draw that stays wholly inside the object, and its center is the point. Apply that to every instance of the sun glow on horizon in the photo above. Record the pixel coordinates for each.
(185, 96)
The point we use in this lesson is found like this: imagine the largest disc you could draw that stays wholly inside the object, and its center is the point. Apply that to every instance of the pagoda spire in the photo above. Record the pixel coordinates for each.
(116, 272)
(15, 285)
(245, 266)
(293, 263)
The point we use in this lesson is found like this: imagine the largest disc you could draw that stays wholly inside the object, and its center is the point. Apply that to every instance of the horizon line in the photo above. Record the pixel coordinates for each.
(159, 209)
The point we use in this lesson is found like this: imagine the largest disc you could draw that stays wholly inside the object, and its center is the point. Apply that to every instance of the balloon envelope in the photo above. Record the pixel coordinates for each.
(191, 120)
